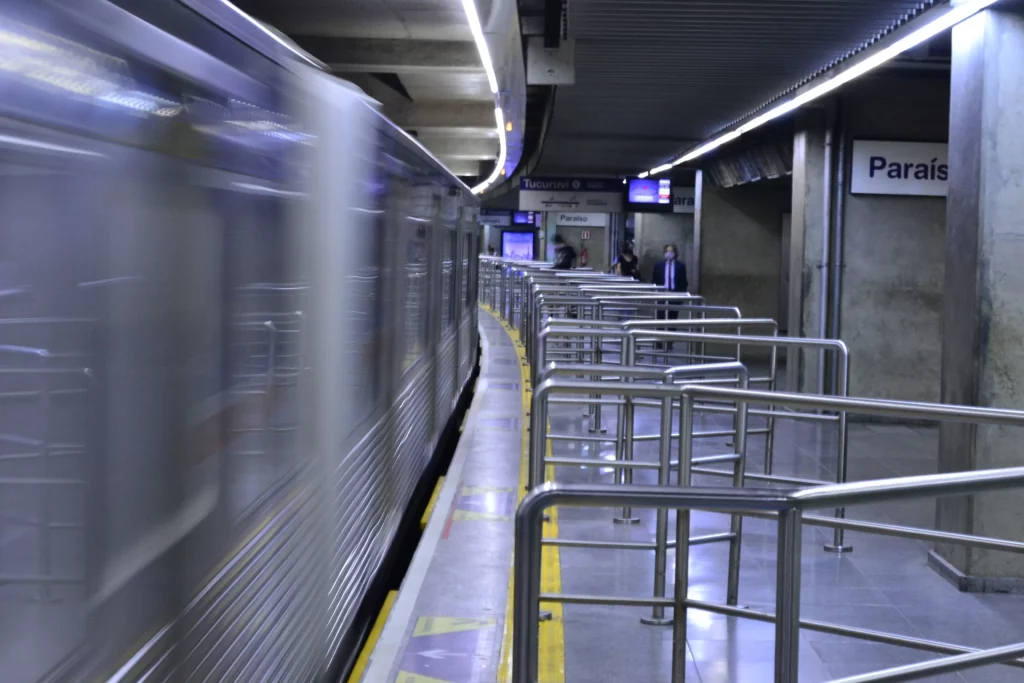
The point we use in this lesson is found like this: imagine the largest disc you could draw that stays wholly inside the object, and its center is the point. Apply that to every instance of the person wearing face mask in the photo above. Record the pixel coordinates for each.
(670, 273)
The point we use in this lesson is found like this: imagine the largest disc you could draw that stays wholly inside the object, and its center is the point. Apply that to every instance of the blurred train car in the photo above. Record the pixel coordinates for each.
(236, 314)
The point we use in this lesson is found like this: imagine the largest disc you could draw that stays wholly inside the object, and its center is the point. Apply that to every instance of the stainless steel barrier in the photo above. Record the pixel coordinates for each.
(788, 507)
(628, 336)
(42, 378)
(623, 464)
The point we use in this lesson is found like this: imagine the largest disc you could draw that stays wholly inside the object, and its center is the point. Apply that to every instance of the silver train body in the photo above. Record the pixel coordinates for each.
(237, 308)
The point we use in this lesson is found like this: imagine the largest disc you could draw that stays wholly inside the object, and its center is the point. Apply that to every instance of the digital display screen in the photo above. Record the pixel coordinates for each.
(523, 218)
(650, 191)
(517, 245)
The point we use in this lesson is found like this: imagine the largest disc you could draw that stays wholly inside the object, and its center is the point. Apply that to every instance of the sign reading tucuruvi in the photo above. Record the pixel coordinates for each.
(899, 168)
(578, 195)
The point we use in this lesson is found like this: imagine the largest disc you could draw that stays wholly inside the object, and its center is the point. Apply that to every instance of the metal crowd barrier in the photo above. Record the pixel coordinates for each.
(42, 377)
(788, 507)
(666, 393)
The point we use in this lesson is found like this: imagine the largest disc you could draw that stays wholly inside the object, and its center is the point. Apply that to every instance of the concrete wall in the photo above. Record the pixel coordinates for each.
(654, 230)
(741, 242)
(894, 249)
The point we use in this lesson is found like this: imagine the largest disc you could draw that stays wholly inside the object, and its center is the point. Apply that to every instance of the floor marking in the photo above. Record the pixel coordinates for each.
(392, 638)
(470, 516)
(371, 640)
(406, 677)
(436, 626)
(451, 649)
(431, 504)
(551, 655)
(481, 490)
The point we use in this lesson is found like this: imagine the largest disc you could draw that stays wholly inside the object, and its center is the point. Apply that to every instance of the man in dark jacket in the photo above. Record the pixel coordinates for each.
(670, 273)
(564, 254)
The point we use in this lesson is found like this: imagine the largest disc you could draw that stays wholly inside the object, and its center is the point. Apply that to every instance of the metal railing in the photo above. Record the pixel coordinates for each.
(787, 506)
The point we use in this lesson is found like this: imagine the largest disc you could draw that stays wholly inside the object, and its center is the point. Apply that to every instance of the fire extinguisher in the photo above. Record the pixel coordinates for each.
(583, 257)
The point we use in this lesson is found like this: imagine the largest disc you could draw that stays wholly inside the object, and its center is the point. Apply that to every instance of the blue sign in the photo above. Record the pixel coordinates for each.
(570, 184)
(517, 245)
(650, 191)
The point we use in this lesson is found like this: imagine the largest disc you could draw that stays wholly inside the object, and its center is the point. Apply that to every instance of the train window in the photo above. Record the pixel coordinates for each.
(448, 280)
(417, 233)
(467, 246)
(265, 303)
(364, 315)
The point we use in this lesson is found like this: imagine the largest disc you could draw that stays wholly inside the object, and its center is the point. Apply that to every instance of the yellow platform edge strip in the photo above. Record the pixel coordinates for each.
(431, 504)
(371, 641)
(551, 655)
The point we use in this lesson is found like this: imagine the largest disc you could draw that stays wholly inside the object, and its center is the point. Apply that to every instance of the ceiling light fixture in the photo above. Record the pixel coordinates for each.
(476, 28)
(277, 39)
(499, 167)
(948, 20)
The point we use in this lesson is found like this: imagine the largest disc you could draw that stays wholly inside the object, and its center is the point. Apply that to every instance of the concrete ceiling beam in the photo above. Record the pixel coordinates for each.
(453, 118)
(461, 148)
(380, 55)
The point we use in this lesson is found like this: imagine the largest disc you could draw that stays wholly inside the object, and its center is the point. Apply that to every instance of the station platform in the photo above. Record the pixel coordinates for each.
(450, 622)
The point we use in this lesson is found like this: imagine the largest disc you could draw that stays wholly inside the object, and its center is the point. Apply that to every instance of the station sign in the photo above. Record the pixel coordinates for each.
(496, 217)
(590, 220)
(577, 195)
(899, 168)
(684, 200)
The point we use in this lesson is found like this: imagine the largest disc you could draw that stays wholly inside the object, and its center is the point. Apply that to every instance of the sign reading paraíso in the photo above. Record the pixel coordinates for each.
(900, 168)
(684, 200)
(589, 195)
(591, 220)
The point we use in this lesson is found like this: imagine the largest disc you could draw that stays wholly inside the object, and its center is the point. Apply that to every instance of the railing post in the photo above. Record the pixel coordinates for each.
(842, 389)
(657, 617)
(538, 436)
(525, 614)
(787, 597)
(739, 470)
(682, 545)
(628, 359)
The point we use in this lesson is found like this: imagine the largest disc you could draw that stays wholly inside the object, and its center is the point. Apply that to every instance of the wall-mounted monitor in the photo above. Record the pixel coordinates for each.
(649, 194)
(523, 218)
(517, 245)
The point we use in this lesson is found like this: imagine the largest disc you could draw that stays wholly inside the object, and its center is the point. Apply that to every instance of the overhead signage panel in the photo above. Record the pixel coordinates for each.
(683, 200)
(900, 168)
(578, 195)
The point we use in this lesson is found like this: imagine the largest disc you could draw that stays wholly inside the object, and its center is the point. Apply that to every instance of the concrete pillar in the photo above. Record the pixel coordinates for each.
(741, 246)
(806, 233)
(983, 312)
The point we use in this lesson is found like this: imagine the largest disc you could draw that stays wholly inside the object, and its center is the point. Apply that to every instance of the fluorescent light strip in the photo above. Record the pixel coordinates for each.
(277, 38)
(947, 21)
(475, 27)
(469, 6)
(499, 118)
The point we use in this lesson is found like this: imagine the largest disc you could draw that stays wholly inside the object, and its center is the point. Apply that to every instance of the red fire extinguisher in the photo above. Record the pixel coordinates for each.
(583, 257)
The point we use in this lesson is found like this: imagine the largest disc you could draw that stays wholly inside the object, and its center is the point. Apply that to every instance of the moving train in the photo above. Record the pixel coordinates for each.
(237, 313)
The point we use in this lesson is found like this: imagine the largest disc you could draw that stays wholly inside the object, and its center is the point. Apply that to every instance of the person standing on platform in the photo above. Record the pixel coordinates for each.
(670, 273)
(565, 255)
(628, 265)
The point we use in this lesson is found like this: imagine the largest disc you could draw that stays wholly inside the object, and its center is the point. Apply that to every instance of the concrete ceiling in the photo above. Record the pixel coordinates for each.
(418, 59)
(654, 76)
